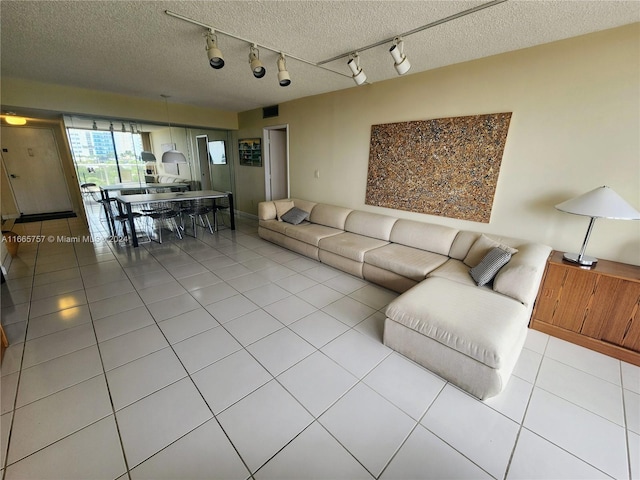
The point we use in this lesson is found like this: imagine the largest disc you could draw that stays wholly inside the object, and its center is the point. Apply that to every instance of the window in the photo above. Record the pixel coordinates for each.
(106, 157)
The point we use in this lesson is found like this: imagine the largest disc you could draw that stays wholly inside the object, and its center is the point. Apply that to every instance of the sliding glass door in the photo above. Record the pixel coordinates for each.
(107, 157)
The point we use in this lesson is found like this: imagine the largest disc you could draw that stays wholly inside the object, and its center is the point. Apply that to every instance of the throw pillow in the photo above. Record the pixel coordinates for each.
(481, 247)
(493, 261)
(282, 207)
(295, 216)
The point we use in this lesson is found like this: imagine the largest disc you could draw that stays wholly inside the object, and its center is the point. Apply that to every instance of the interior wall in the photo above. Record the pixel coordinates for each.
(575, 127)
(72, 100)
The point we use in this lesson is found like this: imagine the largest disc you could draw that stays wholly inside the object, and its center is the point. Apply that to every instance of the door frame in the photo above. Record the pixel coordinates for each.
(208, 172)
(267, 159)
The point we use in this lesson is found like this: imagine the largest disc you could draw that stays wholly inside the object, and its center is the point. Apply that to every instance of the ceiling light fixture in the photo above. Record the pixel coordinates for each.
(450, 18)
(216, 60)
(283, 75)
(254, 60)
(402, 66)
(252, 43)
(400, 60)
(172, 155)
(12, 119)
(358, 74)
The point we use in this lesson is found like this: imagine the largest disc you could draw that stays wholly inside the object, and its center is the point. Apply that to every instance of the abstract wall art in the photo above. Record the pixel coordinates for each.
(446, 166)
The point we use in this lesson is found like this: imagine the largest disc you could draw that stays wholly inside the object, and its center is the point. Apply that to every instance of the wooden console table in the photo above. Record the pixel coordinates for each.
(598, 308)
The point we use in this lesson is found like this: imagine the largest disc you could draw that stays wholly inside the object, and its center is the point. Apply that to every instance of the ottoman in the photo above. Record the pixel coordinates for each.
(468, 335)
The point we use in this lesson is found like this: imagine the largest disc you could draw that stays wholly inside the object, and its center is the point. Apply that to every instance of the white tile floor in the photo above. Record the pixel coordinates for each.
(229, 357)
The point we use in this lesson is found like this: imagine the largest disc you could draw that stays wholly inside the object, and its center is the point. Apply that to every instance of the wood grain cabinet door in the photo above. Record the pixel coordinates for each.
(613, 314)
(565, 294)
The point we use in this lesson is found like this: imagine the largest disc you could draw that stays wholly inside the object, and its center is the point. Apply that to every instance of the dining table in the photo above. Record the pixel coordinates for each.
(146, 187)
(127, 202)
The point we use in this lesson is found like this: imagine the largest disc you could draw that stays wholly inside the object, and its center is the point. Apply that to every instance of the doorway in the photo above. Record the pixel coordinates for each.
(34, 168)
(276, 162)
(202, 142)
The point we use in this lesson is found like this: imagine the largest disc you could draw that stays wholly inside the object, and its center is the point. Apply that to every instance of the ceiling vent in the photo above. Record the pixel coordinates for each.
(270, 112)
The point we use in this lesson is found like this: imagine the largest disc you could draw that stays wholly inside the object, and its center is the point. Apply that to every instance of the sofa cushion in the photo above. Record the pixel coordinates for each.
(454, 270)
(409, 262)
(350, 245)
(267, 211)
(493, 261)
(370, 224)
(305, 205)
(520, 278)
(309, 232)
(170, 179)
(425, 236)
(484, 326)
(295, 216)
(481, 247)
(274, 225)
(282, 207)
(329, 215)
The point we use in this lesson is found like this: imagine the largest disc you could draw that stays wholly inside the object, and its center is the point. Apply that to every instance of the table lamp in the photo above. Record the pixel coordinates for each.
(601, 202)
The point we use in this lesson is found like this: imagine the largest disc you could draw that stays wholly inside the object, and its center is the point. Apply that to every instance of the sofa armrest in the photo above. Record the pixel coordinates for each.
(520, 278)
(267, 211)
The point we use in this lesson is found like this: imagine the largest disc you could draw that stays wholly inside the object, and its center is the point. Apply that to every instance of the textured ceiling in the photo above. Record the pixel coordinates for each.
(134, 48)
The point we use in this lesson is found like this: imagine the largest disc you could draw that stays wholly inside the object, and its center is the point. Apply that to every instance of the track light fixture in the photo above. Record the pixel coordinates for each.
(216, 60)
(358, 74)
(400, 60)
(283, 76)
(254, 60)
(95, 125)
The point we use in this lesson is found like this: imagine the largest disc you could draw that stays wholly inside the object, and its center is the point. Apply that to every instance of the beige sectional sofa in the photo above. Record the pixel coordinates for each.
(471, 335)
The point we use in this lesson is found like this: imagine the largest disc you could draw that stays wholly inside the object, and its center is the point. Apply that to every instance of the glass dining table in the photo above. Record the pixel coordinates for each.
(127, 202)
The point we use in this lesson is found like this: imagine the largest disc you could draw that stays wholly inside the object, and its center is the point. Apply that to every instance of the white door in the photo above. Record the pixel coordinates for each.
(35, 171)
(276, 171)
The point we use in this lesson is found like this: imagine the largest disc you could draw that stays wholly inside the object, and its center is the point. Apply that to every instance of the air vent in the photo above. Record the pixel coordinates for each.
(270, 112)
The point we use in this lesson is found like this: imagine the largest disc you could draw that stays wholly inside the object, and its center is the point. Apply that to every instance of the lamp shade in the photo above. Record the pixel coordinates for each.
(173, 156)
(601, 202)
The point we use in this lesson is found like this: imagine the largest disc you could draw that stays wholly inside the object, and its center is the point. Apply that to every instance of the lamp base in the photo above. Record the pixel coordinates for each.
(585, 261)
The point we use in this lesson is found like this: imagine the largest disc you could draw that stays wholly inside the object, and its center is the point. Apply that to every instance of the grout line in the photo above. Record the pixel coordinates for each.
(104, 373)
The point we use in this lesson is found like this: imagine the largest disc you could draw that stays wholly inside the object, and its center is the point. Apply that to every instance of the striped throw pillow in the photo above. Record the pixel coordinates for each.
(493, 261)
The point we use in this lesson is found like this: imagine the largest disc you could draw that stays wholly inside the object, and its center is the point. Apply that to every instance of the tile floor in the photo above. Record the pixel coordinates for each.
(229, 357)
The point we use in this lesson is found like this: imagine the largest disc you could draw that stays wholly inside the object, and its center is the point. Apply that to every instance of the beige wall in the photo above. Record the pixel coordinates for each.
(575, 126)
(57, 98)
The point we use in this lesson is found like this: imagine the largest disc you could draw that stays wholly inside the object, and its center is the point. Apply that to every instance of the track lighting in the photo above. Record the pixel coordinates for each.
(95, 125)
(216, 60)
(401, 62)
(358, 74)
(256, 65)
(283, 75)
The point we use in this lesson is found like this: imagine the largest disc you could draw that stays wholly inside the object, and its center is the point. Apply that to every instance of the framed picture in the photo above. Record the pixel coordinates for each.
(250, 150)
(217, 152)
